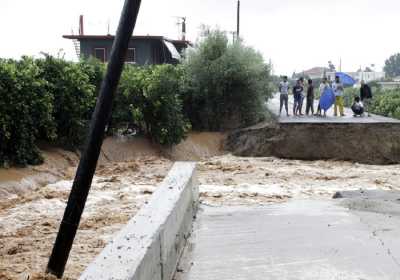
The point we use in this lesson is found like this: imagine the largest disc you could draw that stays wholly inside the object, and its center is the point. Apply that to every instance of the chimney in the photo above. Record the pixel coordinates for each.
(184, 29)
(238, 20)
(81, 31)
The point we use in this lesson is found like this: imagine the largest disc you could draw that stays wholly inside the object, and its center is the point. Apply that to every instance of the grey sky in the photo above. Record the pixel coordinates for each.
(295, 34)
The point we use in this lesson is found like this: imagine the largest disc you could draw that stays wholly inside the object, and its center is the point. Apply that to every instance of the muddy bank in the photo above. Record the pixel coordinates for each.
(358, 142)
(197, 146)
(60, 164)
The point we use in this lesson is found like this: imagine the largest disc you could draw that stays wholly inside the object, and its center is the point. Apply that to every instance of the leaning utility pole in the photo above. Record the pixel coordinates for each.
(87, 165)
(238, 20)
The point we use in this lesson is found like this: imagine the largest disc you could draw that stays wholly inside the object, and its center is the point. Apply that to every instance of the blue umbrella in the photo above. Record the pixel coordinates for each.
(346, 79)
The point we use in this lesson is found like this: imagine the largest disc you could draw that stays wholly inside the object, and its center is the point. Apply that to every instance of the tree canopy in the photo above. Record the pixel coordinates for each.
(392, 66)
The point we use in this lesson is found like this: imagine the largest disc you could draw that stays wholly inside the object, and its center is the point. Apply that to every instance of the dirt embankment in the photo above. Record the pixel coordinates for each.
(61, 165)
(364, 143)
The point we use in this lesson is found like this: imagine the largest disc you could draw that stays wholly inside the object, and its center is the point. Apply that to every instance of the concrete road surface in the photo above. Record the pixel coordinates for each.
(297, 240)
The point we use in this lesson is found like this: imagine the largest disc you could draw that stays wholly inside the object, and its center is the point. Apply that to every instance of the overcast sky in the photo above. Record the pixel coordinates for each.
(294, 34)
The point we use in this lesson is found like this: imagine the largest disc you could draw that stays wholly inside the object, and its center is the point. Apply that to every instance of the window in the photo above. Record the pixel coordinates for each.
(131, 56)
(100, 54)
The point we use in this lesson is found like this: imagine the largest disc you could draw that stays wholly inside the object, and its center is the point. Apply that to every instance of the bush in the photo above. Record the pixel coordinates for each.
(225, 85)
(26, 108)
(387, 103)
(149, 99)
(73, 86)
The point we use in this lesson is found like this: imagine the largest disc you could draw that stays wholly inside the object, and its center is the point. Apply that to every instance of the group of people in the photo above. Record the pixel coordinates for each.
(301, 91)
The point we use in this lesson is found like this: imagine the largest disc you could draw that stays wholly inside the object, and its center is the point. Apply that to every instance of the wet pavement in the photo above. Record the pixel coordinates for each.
(273, 106)
(297, 240)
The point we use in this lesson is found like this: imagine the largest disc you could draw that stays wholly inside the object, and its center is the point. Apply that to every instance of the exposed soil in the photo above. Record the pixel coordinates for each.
(370, 143)
(127, 176)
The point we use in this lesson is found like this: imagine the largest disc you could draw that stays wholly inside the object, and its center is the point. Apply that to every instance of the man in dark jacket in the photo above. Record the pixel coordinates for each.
(310, 98)
(366, 96)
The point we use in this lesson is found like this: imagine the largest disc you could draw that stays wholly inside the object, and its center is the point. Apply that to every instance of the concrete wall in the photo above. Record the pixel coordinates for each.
(149, 247)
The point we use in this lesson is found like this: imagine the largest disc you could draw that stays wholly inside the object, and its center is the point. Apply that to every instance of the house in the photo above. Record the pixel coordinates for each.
(316, 72)
(142, 50)
(367, 76)
(313, 73)
(319, 72)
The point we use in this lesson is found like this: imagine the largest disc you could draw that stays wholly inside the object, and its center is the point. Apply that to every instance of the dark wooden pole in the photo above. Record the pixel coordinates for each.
(87, 165)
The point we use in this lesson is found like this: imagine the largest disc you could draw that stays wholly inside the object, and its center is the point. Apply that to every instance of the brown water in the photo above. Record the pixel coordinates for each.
(127, 176)
(32, 201)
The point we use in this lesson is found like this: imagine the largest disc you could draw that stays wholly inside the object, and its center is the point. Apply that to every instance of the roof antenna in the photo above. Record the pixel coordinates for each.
(108, 28)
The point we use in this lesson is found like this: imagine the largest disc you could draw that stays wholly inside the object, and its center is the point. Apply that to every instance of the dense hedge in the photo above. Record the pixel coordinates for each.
(26, 112)
(74, 96)
(218, 86)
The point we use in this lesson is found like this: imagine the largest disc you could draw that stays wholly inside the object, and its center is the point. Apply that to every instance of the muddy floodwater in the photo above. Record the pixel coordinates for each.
(32, 200)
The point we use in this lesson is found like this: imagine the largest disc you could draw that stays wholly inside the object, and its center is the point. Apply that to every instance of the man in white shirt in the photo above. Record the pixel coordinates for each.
(284, 95)
(338, 89)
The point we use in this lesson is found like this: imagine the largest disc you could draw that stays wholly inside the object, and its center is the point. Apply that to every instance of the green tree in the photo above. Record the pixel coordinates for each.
(225, 85)
(392, 66)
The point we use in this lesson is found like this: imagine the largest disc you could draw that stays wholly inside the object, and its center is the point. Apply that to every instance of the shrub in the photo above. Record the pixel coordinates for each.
(26, 108)
(71, 85)
(225, 84)
(149, 98)
(387, 103)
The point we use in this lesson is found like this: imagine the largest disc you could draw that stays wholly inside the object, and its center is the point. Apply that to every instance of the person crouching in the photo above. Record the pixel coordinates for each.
(357, 107)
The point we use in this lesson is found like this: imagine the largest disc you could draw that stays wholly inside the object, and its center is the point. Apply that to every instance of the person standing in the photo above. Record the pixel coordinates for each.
(310, 98)
(284, 95)
(298, 90)
(302, 96)
(322, 88)
(338, 90)
(366, 96)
